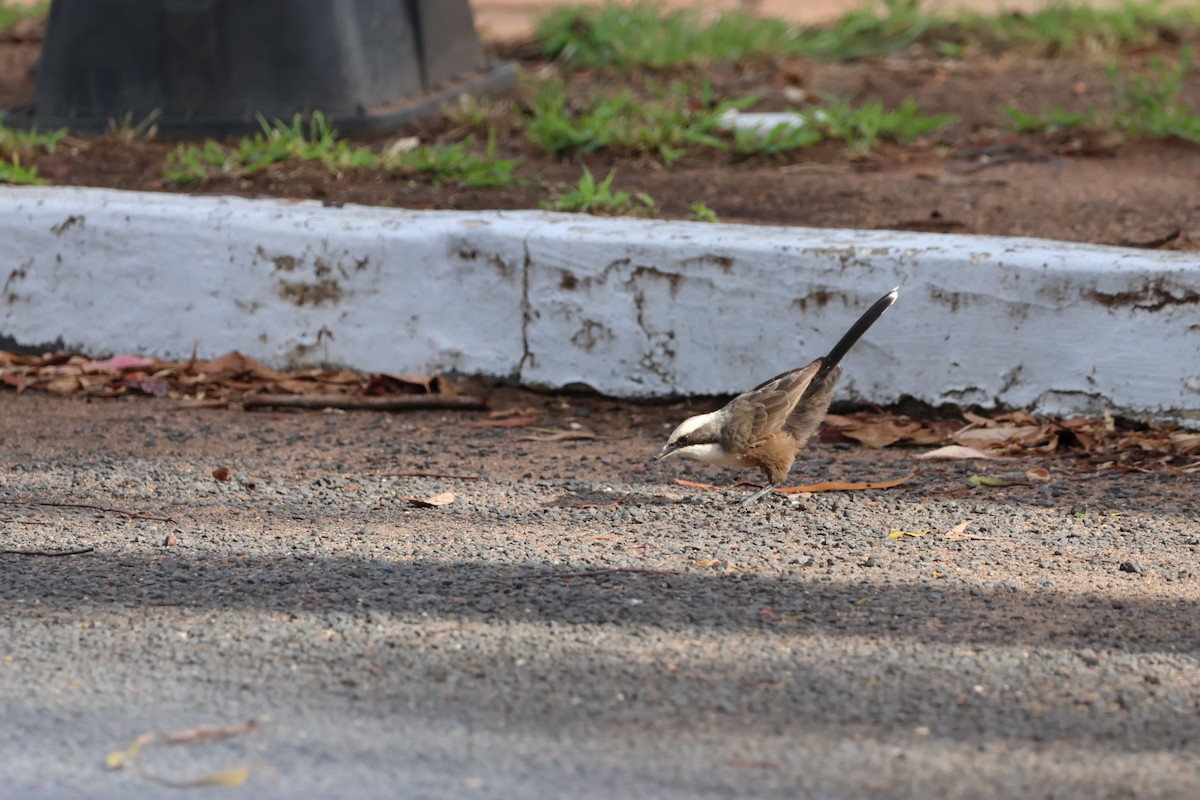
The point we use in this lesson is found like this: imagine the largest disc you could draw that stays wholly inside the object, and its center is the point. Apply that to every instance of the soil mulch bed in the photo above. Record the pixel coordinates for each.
(976, 176)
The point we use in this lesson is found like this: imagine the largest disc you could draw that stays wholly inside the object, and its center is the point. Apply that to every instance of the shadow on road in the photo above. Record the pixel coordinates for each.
(585, 594)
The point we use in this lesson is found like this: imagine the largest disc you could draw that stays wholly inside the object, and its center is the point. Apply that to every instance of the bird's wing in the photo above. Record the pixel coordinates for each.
(757, 415)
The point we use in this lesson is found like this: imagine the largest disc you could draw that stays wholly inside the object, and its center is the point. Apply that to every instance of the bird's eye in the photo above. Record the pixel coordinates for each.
(682, 441)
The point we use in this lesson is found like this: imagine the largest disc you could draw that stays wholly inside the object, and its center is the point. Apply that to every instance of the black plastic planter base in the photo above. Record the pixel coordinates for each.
(213, 67)
(500, 78)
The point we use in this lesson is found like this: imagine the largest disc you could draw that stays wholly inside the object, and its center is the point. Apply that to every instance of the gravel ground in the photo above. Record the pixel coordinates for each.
(512, 644)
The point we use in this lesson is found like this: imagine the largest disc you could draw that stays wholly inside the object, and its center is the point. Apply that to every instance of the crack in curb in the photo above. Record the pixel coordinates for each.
(526, 306)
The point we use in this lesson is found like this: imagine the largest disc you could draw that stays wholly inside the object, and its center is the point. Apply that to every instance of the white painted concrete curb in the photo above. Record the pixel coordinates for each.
(631, 308)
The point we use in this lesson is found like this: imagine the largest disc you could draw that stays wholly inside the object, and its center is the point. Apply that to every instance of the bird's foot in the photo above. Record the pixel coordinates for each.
(770, 487)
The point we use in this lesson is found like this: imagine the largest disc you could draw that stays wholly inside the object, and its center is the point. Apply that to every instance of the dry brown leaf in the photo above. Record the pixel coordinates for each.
(1038, 474)
(297, 386)
(443, 499)
(683, 482)
(914, 534)
(880, 429)
(119, 363)
(228, 779)
(976, 419)
(956, 534)
(960, 451)
(221, 474)
(67, 384)
(959, 528)
(881, 433)
(987, 437)
(234, 363)
(119, 759)
(1185, 441)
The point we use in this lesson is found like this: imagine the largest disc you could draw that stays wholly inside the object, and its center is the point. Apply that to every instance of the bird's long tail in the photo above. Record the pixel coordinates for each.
(857, 330)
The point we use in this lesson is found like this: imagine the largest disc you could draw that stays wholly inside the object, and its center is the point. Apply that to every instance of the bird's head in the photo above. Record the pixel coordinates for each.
(696, 437)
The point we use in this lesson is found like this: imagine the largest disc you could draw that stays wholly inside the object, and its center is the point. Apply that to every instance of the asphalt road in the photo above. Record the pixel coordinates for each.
(512, 644)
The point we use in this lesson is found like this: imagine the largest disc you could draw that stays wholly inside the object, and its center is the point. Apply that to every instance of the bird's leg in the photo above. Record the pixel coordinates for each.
(765, 490)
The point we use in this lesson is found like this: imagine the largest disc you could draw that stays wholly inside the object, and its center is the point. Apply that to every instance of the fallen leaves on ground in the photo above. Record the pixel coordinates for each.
(438, 500)
(694, 484)
(227, 779)
(235, 378)
(978, 480)
(956, 534)
(218, 381)
(958, 451)
(119, 759)
(1020, 433)
(197, 735)
(914, 534)
(881, 429)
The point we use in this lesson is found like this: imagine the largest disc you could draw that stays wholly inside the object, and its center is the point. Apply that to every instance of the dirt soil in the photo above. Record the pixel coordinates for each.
(975, 176)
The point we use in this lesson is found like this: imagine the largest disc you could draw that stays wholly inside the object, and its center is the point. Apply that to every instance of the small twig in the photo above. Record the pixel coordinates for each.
(47, 553)
(23, 521)
(46, 503)
(1153, 244)
(423, 474)
(403, 402)
(594, 573)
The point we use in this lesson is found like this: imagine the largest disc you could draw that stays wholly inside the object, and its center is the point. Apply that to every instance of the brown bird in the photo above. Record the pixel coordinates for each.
(767, 426)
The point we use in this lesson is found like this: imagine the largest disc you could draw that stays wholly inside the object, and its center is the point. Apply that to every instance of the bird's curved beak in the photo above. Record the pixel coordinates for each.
(666, 450)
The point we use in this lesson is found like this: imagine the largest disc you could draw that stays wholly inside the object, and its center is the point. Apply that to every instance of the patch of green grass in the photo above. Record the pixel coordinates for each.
(15, 140)
(191, 165)
(317, 141)
(12, 171)
(666, 124)
(862, 127)
(880, 27)
(12, 13)
(1148, 105)
(1066, 27)
(702, 213)
(478, 113)
(458, 163)
(589, 197)
(1052, 121)
(278, 141)
(645, 35)
(127, 131)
